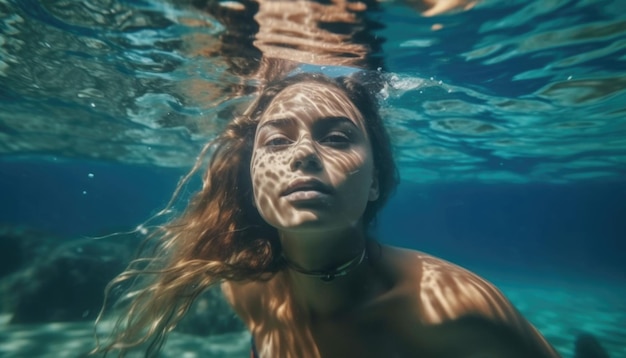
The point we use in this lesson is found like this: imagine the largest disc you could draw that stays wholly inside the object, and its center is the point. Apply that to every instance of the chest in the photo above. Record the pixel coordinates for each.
(340, 338)
(395, 336)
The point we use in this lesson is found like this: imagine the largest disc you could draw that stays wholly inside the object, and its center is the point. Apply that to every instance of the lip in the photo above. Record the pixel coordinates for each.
(307, 185)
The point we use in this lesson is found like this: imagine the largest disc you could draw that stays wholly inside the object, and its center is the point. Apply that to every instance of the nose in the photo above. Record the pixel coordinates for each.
(305, 155)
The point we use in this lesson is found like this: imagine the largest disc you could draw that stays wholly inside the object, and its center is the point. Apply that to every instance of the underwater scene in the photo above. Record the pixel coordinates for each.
(507, 122)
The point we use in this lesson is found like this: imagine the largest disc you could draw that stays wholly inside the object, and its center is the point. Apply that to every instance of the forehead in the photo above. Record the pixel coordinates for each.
(310, 100)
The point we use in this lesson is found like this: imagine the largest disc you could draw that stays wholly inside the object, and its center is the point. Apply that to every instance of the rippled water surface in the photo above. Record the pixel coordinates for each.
(506, 91)
(105, 103)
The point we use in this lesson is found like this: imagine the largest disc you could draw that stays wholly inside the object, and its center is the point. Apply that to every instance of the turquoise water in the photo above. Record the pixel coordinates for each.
(507, 119)
(505, 92)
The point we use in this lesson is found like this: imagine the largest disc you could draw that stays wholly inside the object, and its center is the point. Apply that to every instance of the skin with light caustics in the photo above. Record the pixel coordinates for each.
(313, 175)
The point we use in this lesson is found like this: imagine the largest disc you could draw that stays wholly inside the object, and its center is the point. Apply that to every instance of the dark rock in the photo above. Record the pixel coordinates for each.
(11, 255)
(48, 279)
(20, 246)
(68, 285)
(210, 314)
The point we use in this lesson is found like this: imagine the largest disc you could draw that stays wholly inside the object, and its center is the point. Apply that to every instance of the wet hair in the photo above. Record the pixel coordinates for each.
(221, 235)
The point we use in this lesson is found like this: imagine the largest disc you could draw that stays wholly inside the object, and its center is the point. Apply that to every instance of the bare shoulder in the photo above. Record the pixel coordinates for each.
(452, 298)
(244, 298)
(446, 291)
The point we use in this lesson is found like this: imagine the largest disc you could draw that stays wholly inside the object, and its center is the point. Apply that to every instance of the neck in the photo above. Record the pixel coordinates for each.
(322, 251)
(330, 275)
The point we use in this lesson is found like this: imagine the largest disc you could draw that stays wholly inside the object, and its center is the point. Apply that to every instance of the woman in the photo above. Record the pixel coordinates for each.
(282, 224)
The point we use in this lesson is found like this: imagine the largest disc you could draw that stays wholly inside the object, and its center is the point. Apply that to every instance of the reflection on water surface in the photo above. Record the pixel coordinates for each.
(488, 91)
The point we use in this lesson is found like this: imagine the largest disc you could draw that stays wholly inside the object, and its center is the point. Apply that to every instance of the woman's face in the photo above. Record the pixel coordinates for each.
(312, 166)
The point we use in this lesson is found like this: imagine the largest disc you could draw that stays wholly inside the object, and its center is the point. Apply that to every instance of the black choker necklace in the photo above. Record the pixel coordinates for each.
(329, 275)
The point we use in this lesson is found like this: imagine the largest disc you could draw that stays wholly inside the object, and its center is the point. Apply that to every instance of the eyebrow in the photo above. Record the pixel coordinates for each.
(277, 123)
(337, 120)
(287, 121)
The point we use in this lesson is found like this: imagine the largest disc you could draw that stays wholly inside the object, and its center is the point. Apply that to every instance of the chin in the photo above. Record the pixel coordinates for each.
(305, 221)
(312, 223)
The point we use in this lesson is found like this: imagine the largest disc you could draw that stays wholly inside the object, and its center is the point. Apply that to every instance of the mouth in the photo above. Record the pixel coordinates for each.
(307, 185)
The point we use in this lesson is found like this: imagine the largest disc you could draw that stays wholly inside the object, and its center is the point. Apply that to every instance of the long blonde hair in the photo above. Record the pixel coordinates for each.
(221, 236)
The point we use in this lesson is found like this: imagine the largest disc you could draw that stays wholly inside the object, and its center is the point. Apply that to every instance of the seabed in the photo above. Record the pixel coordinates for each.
(560, 313)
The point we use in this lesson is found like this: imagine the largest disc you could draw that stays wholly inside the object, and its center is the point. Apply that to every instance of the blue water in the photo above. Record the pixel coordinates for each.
(508, 121)
(574, 228)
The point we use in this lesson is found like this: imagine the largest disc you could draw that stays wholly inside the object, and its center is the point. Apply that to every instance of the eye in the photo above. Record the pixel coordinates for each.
(277, 142)
(336, 139)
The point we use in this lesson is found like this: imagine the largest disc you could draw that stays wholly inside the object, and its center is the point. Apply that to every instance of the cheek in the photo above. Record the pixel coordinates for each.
(355, 177)
(266, 171)
(353, 165)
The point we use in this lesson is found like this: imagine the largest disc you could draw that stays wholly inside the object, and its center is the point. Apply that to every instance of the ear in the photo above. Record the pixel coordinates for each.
(374, 188)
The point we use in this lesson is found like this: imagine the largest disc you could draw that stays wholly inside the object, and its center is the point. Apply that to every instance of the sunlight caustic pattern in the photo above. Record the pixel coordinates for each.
(291, 146)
